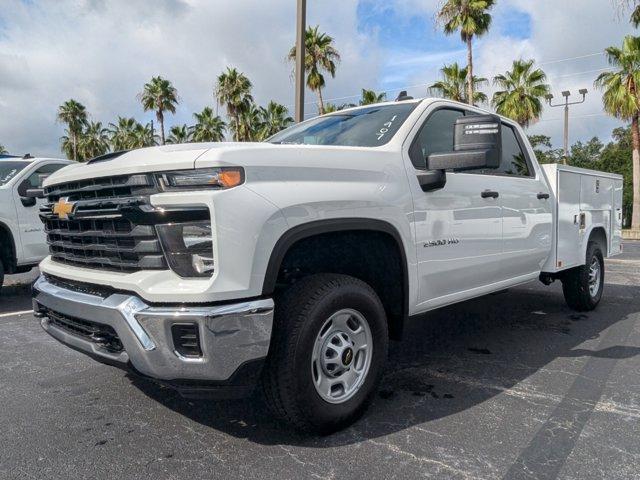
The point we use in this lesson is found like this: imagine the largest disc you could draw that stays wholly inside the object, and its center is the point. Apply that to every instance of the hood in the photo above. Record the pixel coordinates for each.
(263, 155)
(256, 157)
(152, 159)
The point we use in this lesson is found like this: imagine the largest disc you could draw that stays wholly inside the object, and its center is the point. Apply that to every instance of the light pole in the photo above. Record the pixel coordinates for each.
(566, 94)
(301, 27)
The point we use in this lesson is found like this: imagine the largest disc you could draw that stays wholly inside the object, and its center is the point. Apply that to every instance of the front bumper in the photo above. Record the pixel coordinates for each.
(232, 336)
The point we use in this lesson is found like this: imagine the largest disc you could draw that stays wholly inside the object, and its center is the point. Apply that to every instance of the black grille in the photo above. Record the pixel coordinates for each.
(108, 228)
(81, 287)
(102, 335)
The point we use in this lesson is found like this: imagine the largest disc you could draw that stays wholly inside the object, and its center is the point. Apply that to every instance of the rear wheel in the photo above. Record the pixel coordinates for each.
(582, 286)
(327, 353)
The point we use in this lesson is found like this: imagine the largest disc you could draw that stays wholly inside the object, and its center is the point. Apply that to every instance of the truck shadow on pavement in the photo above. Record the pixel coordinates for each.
(15, 298)
(457, 358)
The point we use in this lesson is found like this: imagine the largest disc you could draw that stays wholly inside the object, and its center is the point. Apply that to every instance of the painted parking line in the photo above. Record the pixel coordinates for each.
(15, 313)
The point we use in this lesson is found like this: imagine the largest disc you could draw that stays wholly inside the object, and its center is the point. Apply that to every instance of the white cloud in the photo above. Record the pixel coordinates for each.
(102, 52)
(561, 30)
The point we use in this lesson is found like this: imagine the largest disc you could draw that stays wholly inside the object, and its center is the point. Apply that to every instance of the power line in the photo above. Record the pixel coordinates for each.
(407, 87)
(571, 58)
(602, 114)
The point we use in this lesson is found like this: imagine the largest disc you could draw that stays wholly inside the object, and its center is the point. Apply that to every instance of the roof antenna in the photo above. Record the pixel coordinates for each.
(403, 96)
(27, 156)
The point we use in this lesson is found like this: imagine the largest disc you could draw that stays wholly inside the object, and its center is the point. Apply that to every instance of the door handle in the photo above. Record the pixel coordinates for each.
(543, 195)
(489, 194)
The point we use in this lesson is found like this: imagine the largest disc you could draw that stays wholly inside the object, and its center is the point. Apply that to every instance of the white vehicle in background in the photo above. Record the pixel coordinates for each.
(22, 240)
(290, 263)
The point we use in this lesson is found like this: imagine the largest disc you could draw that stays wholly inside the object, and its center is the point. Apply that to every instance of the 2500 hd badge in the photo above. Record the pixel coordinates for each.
(439, 243)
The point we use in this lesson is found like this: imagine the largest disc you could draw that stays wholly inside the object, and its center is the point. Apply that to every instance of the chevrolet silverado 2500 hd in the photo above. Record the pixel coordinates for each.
(22, 240)
(216, 267)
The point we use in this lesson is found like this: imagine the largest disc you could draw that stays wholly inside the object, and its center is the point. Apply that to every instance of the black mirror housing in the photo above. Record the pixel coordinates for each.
(28, 201)
(477, 144)
(34, 193)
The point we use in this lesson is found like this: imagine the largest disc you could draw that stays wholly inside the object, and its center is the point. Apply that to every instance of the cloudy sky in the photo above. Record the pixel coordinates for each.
(101, 52)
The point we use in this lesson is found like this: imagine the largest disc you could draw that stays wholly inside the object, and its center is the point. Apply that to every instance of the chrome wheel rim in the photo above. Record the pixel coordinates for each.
(341, 356)
(594, 277)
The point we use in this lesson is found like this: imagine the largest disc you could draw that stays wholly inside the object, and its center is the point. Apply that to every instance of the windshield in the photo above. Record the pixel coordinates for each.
(8, 170)
(363, 127)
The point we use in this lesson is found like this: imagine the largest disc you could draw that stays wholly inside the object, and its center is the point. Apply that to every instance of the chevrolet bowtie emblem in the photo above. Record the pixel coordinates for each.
(63, 208)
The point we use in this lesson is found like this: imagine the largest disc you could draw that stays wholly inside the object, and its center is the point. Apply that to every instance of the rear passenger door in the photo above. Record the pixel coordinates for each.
(458, 232)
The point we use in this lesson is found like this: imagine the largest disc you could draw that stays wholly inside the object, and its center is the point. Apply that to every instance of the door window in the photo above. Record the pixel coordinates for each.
(36, 178)
(514, 161)
(435, 136)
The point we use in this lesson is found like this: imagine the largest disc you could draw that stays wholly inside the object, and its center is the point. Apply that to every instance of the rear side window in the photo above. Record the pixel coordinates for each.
(436, 136)
(514, 160)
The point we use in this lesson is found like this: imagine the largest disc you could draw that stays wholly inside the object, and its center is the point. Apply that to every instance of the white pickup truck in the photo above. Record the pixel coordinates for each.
(22, 239)
(213, 268)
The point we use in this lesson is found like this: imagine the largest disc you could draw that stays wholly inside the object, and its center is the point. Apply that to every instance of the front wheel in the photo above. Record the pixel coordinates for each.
(327, 353)
(582, 286)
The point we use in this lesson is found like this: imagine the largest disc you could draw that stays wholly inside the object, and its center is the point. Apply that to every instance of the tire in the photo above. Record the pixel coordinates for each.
(1, 275)
(578, 285)
(308, 318)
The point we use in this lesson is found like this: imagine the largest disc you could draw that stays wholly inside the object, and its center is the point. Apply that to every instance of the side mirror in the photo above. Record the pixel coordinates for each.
(23, 187)
(34, 193)
(477, 143)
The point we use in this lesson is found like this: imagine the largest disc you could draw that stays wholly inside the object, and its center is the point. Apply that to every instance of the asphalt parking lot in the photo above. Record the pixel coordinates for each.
(513, 385)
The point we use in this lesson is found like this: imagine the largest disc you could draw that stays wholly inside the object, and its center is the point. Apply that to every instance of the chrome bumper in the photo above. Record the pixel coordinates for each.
(230, 335)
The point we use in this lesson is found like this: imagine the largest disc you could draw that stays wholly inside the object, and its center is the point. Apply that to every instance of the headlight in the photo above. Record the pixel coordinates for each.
(188, 248)
(221, 177)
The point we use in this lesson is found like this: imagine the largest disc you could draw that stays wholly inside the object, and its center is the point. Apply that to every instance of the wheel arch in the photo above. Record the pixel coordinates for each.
(318, 228)
(597, 234)
(8, 252)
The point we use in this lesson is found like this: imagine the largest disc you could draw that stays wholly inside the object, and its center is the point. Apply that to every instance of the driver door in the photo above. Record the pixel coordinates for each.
(458, 232)
(32, 236)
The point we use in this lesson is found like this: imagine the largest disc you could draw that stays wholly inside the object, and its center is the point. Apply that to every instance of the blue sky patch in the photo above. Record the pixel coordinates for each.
(514, 23)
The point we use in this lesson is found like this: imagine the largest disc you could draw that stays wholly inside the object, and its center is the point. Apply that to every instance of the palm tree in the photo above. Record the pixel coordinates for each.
(94, 141)
(74, 114)
(180, 134)
(249, 124)
(143, 136)
(621, 98)
(66, 145)
(3, 151)
(453, 85)
(320, 54)
(330, 108)
(470, 17)
(209, 127)
(233, 89)
(160, 96)
(274, 117)
(522, 91)
(370, 96)
(122, 134)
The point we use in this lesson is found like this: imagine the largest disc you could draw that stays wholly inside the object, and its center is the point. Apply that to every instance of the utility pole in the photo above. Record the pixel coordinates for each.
(566, 94)
(301, 27)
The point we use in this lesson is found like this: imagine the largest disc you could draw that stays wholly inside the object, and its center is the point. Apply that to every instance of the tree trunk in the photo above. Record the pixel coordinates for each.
(161, 120)
(635, 133)
(469, 71)
(320, 102)
(74, 143)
